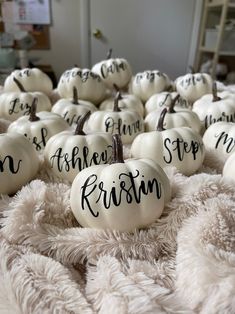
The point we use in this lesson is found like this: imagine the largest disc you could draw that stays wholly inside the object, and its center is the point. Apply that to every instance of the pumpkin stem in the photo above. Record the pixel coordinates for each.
(161, 120)
(75, 96)
(19, 85)
(117, 149)
(109, 54)
(214, 93)
(117, 89)
(116, 100)
(172, 105)
(191, 69)
(32, 116)
(80, 124)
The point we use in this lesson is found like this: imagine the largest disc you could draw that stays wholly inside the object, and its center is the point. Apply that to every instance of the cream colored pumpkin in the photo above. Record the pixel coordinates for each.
(215, 107)
(39, 128)
(88, 83)
(181, 147)
(229, 167)
(126, 123)
(19, 162)
(69, 152)
(33, 80)
(17, 104)
(73, 108)
(147, 83)
(114, 71)
(123, 196)
(193, 86)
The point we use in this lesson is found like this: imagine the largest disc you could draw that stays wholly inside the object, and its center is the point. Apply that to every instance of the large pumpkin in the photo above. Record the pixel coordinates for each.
(124, 195)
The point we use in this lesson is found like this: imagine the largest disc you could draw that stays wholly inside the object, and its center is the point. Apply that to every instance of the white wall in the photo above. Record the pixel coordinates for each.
(64, 37)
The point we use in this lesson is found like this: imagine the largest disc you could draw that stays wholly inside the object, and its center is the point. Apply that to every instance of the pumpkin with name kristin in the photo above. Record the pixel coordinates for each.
(33, 80)
(17, 104)
(126, 123)
(38, 128)
(113, 71)
(173, 118)
(19, 162)
(69, 152)
(219, 138)
(88, 83)
(215, 107)
(72, 109)
(147, 83)
(180, 147)
(123, 195)
(193, 86)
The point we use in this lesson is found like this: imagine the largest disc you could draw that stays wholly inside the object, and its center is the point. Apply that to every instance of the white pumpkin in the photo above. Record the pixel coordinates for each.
(229, 167)
(220, 139)
(123, 196)
(147, 83)
(33, 80)
(193, 86)
(71, 109)
(69, 152)
(88, 83)
(164, 99)
(113, 71)
(126, 102)
(39, 128)
(215, 107)
(181, 147)
(19, 162)
(17, 104)
(173, 118)
(126, 123)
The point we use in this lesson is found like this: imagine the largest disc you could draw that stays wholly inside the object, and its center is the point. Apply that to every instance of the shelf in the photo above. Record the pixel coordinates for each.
(221, 53)
(217, 3)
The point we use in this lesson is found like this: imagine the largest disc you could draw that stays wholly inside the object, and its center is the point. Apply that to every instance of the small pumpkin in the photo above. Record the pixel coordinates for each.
(180, 147)
(126, 123)
(193, 86)
(174, 118)
(215, 107)
(72, 109)
(113, 71)
(220, 139)
(126, 102)
(123, 195)
(229, 167)
(33, 80)
(147, 83)
(17, 104)
(88, 83)
(19, 162)
(38, 128)
(67, 153)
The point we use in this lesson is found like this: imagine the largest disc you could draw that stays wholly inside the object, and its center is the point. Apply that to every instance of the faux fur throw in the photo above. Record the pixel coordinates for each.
(183, 263)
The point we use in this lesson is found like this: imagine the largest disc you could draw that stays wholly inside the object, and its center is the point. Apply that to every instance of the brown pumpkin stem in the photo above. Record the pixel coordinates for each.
(214, 93)
(117, 89)
(172, 105)
(80, 124)
(191, 69)
(32, 116)
(161, 120)
(75, 96)
(109, 54)
(117, 149)
(19, 85)
(116, 100)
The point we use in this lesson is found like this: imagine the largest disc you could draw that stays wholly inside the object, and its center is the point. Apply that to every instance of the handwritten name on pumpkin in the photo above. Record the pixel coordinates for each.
(40, 142)
(181, 148)
(119, 126)
(17, 106)
(150, 76)
(83, 75)
(224, 139)
(79, 158)
(209, 119)
(130, 188)
(8, 162)
(114, 67)
(192, 80)
(70, 119)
